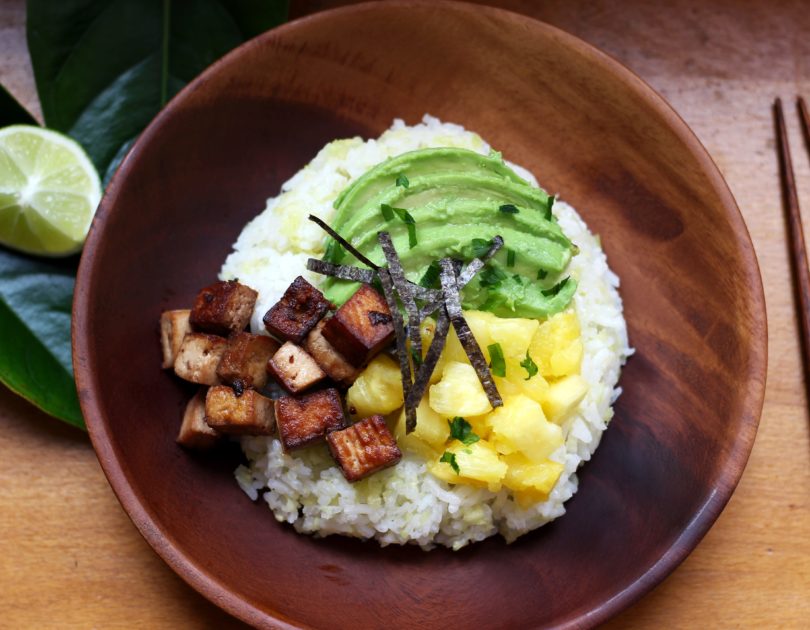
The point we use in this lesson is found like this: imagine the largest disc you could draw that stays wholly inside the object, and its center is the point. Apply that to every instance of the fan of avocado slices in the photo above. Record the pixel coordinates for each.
(452, 202)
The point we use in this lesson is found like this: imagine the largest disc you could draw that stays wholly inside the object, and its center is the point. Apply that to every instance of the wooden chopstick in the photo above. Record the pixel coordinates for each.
(798, 251)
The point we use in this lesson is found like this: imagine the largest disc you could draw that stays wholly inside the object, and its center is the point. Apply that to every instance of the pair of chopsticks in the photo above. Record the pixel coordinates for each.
(798, 251)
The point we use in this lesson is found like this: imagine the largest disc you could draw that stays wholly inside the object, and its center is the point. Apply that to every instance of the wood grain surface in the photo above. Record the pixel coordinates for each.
(69, 557)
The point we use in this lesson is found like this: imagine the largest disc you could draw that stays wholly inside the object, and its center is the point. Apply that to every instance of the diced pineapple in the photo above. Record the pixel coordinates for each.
(378, 389)
(563, 397)
(550, 346)
(520, 426)
(431, 428)
(427, 330)
(478, 464)
(534, 387)
(538, 477)
(413, 444)
(480, 425)
(514, 335)
(459, 392)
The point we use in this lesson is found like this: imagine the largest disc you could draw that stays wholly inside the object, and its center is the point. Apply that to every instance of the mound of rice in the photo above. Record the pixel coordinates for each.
(406, 504)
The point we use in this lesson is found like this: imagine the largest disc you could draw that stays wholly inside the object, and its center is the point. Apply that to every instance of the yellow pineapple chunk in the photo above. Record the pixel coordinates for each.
(520, 426)
(514, 335)
(378, 389)
(537, 477)
(563, 397)
(459, 392)
(550, 347)
(431, 428)
(534, 387)
(478, 465)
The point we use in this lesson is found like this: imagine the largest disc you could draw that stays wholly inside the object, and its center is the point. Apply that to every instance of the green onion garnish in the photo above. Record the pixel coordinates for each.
(549, 204)
(509, 208)
(497, 364)
(556, 288)
(510, 257)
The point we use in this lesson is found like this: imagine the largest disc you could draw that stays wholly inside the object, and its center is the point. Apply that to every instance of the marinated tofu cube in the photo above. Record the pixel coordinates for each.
(364, 448)
(361, 327)
(194, 432)
(297, 312)
(294, 369)
(174, 326)
(198, 358)
(245, 359)
(247, 412)
(331, 361)
(223, 308)
(302, 420)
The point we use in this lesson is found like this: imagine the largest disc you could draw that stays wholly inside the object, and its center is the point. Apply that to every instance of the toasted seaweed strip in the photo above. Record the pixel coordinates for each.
(405, 290)
(428, 363)
(346, 244)
(342, 272)
(452, 301)
(476, 264)
(401, 340)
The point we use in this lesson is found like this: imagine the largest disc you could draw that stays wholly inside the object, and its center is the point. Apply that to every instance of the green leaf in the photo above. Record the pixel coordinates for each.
(402, 180)
(431, 277)
(450, 458)
(479, 247)
(529, 365)
(510, 257)
(497, 363)
(556, 288)
(509, 208)
(387, 211)
(461, 430)
(11, 112)
(104, 68)
(35, 356)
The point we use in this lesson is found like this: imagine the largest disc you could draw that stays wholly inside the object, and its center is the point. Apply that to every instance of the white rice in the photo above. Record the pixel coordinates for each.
(406, 504)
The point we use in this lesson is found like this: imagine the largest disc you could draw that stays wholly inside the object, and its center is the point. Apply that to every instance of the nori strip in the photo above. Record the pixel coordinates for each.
(346, 244)
(401, 341)
(404, 288)
(476, 264)
(452, 302)
(342, 272)
(429, 363)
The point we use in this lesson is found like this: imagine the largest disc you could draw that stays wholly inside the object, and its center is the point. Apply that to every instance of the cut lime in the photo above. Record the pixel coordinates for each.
(49, 191)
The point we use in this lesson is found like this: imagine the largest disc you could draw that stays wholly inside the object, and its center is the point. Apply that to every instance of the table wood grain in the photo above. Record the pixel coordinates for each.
(69, 556)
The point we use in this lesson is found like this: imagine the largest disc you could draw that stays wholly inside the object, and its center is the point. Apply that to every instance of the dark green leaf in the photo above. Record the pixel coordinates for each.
(402, 180)
(510, 257)
(497, 364)
(529, 365)
(431, 277)
(541, 274)
(549, 205)
(491, 277)
(35, 357)
(556, 288)
(450, 458)
(11, 112)
(412, 242)
(461, 430)
(509, 208)
(387, 211)
(104, 68)
(480, 246)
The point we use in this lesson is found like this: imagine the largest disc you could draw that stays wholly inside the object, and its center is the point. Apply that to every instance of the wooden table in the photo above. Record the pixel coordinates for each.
(69, 556)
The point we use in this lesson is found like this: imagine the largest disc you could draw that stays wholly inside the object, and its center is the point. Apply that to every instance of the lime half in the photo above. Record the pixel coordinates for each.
(49, 191)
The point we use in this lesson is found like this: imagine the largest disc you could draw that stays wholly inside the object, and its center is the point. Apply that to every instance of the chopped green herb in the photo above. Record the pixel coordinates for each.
(450, 458)
(574, 249)
(510, 257)
(431, 275)
(411, 235)
(509, 208)
(549, 205)
(416, 357)
(541, 274)
(461, 430)
(332, 252)
(529, 365)
(556, 288)
(480, 246)
(402, 180)
(497, 364)
(387, 211)
(491, 277)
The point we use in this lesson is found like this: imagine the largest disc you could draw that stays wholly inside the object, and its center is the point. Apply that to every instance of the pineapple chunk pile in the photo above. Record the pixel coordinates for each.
(505, 447)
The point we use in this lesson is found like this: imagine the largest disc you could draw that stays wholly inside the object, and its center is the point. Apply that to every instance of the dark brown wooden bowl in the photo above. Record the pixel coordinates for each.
(590, 130)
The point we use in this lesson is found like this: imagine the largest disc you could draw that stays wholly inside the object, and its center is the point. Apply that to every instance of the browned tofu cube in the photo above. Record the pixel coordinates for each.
(174, 326)
(364, 448)
(294, 369)
(194, 432)
(198, 358)
(248, 413)
(331, 361)
(361, 327)
(223, 308)
(302, 420)
(245, 359)
(297, 312)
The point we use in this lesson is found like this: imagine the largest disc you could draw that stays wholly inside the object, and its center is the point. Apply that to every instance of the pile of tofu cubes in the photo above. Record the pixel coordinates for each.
(312, 355)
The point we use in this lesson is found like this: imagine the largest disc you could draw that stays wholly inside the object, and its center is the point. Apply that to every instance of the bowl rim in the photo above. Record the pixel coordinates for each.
(220, 593)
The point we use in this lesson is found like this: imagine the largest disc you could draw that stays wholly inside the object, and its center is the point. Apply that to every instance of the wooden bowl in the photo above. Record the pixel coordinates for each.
(591, 131)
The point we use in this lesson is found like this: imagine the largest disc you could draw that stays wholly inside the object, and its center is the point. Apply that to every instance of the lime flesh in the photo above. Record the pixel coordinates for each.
(49, 191)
